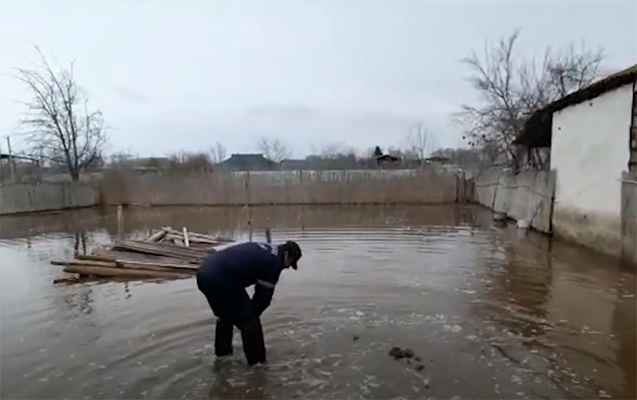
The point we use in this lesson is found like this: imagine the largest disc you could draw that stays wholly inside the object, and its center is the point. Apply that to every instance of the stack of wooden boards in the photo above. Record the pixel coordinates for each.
(165, 254)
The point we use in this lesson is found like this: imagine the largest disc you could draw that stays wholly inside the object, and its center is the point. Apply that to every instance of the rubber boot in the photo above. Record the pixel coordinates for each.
(223, 338)
(253, 342)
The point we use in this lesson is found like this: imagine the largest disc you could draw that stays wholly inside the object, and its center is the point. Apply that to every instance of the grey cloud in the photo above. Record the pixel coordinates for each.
(131, 94)
(308, 73)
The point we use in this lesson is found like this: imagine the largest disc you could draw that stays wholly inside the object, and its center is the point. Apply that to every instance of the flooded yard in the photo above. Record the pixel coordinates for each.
(490, 312)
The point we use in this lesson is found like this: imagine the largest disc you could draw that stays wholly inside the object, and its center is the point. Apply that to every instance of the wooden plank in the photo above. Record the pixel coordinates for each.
(188, 268)
(186, 241)
(83, 263)
(157, 236)
(163, 249)
(183, 268)
(153, 257)
(123, 272)
(132, 256)
(94, 257)
(199, 235)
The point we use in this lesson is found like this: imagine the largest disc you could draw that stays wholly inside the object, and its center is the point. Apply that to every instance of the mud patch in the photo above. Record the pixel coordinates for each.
(407, 354)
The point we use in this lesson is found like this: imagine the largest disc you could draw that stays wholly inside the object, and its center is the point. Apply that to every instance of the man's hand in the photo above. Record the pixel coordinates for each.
(262, 298)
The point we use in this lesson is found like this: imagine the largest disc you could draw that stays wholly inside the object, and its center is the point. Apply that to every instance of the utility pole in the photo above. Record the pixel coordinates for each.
(11, 164)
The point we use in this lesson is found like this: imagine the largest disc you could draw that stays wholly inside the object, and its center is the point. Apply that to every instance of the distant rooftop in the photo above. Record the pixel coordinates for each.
(247, 162)
(247, 155)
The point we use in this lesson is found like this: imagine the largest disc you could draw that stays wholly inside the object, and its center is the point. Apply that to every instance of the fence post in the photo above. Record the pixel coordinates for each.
(120, 222)
(302, 200)
(461, 188)
(246, 183)
(248, 202)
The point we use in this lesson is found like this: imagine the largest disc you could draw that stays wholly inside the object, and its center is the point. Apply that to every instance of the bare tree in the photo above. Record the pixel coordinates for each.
(190, 162)
(421, 141)
(333, 150)
(274, 149)
(512, 88)
(218, 153)
(336, 155)
(60, 125)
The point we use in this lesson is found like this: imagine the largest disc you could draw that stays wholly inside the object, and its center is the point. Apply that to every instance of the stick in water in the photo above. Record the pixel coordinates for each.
(268, 235)
(186, 241)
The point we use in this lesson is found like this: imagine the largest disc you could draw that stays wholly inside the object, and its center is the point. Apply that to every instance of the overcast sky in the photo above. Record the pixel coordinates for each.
(180, 75)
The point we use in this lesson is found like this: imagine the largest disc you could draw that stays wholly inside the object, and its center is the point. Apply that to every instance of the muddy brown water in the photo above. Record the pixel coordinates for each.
(492, 312)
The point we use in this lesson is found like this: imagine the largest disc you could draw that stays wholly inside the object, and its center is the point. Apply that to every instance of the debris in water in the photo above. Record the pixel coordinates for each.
(162, 255)
(420, 367)
(355, 337)
(417, 359)
(396, 352)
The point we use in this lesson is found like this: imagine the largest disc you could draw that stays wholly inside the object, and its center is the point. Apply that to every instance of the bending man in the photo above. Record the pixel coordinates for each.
(223, 277)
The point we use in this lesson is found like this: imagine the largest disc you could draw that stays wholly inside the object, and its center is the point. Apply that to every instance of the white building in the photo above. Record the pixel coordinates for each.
(593, 142)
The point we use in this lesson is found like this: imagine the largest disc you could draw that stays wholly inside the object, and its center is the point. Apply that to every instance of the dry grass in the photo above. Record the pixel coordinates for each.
(278, 188)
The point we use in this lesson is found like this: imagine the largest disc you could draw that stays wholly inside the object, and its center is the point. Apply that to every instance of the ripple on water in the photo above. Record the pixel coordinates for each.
(482, 309)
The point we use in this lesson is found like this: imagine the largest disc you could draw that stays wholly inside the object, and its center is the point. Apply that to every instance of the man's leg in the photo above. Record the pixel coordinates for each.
(253, 342)
(223, 338)
(224, 329)
(251, 331)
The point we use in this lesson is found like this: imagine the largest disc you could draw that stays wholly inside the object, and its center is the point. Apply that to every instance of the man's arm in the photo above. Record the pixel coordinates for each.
(263, 292)
(269, 276)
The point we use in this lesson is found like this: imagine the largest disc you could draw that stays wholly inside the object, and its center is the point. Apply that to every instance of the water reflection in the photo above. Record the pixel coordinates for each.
(494, 312)
(624, 326)
(80, 303)
(232, 221)
(226, 386)
(79, 242)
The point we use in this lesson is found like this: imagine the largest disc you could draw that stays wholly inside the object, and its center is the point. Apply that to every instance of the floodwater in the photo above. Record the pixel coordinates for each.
(493, 312)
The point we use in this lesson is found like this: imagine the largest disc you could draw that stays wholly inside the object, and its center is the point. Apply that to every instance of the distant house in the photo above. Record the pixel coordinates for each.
(148, 163)
(591, 136)
(386, 160)
(438, 159)
(294, 165)
(247, 162)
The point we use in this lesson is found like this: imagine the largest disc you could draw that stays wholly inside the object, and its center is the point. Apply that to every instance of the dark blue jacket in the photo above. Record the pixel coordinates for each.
(244, 265)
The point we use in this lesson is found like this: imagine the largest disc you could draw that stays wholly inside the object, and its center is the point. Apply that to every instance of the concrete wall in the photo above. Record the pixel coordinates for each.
(589, 153)
(525, 196)
(46, 196)
(279, 187)
(227, 189)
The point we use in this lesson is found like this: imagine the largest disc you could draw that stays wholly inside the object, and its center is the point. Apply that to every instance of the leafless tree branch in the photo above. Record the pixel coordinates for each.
(274, 149)
(218, 152)
(58, 120)
(421, 141)
(511, 88)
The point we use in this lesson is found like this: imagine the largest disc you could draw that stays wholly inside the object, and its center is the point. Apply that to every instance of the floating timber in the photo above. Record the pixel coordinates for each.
(165, 254)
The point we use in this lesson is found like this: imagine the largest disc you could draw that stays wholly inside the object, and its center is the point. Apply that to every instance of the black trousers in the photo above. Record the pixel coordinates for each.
(233, 307)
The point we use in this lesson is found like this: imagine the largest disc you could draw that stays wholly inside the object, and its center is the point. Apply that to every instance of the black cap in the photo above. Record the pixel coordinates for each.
(294, 251)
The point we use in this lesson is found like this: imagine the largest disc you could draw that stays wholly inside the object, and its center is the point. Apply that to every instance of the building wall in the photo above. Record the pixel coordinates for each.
(526, 196)
(589, 153)
(23, 198)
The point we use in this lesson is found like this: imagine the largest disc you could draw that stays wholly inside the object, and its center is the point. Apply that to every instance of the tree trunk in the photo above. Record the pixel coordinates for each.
(75, 175)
